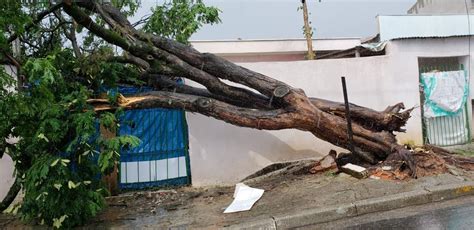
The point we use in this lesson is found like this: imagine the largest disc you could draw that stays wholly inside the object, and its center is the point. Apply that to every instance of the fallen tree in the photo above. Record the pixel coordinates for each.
(60, 85)
(270, 105)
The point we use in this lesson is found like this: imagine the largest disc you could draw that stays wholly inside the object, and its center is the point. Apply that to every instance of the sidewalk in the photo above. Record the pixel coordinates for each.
(288, 201)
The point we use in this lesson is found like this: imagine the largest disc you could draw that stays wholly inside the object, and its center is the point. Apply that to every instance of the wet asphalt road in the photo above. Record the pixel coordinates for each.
(453, 214)
(460, 217)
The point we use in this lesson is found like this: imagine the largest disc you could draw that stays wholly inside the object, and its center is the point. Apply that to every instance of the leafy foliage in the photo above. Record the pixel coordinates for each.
(59, 155)
(60, 197)
(179, 19)
(12, 20)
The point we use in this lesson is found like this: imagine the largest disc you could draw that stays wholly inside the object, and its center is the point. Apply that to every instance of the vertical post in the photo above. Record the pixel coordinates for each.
(308, 31)
(111, 180)
(348, 116)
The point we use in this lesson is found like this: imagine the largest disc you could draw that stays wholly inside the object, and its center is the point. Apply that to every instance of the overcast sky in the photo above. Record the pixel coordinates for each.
(273, 19)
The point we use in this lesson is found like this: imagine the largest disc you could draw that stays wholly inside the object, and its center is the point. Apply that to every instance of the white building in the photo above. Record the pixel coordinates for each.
(438, 7)
(222, 153)
(281, 50)
(6, 163)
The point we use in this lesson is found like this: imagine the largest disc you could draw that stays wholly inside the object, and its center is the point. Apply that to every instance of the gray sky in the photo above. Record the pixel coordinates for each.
(270, 19)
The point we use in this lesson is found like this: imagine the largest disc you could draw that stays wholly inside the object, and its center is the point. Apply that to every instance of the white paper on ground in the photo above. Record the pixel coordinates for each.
(244, 198)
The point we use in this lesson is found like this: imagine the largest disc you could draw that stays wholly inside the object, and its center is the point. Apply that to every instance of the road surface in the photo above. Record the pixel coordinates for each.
(454, 214)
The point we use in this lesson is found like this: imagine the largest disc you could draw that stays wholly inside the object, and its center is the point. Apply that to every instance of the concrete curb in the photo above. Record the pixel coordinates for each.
(263, 224)
(320, 215)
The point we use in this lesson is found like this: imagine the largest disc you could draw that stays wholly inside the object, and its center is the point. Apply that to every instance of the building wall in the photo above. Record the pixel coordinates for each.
(6, 163)
(272, 46)
(224, 154)
(271, 50)
(441, 7)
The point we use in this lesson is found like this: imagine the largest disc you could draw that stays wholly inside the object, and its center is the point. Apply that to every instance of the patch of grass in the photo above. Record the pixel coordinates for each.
(330, 174)
(465, 152)
(409, 143)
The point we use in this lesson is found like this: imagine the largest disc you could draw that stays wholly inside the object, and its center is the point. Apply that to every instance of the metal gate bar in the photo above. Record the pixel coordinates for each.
(162, 158)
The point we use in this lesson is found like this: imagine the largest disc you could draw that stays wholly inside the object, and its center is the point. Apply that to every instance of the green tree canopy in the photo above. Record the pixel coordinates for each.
(62, 65)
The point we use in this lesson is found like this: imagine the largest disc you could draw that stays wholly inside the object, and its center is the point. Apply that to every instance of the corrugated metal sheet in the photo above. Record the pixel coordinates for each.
(417, 26)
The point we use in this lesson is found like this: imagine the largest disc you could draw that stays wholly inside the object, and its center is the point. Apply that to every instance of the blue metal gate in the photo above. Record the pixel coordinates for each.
(162, 158)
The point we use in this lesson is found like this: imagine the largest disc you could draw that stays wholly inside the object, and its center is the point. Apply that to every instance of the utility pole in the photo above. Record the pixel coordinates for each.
(308, 32)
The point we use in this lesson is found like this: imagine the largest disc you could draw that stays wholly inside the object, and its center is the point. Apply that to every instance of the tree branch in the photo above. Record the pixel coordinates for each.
(128, 58)
(165, 83)
(38, 19)
(270, 120)
(392, 119)
(289, 107)
(147, 52)
(71, 34)
(83, 19)
(205, 62)
(142, 20)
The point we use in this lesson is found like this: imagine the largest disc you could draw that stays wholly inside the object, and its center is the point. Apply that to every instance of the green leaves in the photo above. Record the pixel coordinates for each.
(72, 185)
(127, 7)
(59, 153)
(54, 163)
(58, 186)
(55, 130)
(42, 71)
(57, 222)
(43, 137)
(58, 196)
(56, 154)
(110, 154)
(12, 21)
(179, 19)
(6, 82)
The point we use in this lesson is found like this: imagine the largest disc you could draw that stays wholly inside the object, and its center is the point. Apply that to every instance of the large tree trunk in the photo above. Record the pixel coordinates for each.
(271, 105)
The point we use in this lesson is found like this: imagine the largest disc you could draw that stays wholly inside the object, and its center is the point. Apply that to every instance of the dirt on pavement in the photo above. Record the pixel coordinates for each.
(288, 188)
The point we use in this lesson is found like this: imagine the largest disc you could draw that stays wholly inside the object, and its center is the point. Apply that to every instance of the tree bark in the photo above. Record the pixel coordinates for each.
(268, 104)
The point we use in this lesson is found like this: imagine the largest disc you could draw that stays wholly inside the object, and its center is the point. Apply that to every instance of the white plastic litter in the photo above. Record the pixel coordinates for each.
(244, 198)
(387, 168)
(446, 92)
(355, 168)
(374, 177)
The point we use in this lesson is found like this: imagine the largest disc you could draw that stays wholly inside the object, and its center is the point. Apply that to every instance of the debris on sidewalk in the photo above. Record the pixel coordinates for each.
(390, 174)
(356, 171)
(374, 177)
(428, 163)
(328, 162)
(244, 198)
(387, 168)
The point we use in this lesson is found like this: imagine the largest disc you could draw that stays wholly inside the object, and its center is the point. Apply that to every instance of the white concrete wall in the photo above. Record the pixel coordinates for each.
(441, 7)
(239, 47)
(6, 163)
(271, 50)
(224, 154)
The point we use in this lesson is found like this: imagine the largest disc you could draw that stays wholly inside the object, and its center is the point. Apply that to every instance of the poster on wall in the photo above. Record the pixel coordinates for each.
(445, 93)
